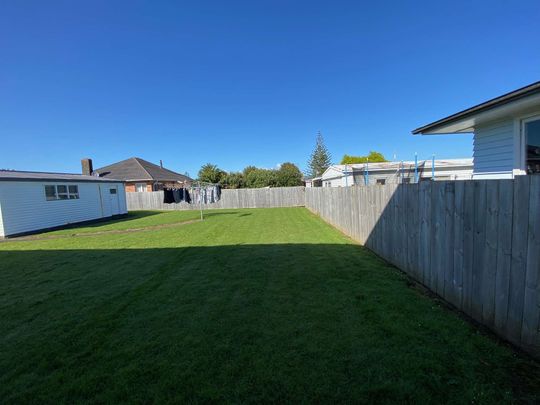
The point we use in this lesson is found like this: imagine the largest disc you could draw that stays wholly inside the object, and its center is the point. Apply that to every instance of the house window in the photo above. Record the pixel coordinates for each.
(73, 192)
(381, 182)
(61, 192)
(532, 146)
(112, 191)
(140, 187)
(50, 193)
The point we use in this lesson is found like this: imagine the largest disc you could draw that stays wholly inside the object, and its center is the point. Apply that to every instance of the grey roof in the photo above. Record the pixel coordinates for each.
(137, 169)
(16, 175)
(495, 102)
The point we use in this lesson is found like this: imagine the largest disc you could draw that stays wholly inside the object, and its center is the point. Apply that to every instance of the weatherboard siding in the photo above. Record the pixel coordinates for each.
(493, 150)
(25, 208)
(1, 224)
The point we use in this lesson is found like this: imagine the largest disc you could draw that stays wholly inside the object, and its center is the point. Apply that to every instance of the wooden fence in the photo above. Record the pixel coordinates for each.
(241, 198)
(474, 243)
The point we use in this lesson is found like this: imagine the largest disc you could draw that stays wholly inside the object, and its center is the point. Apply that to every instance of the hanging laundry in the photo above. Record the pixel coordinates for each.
(168, 196)
(202, 195)
(176, 195)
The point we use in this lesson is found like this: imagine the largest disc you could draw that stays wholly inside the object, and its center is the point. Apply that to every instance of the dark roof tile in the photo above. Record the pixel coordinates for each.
(137, 169)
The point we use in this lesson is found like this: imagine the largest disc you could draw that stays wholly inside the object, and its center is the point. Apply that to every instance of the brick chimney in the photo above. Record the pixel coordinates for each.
(87, 167)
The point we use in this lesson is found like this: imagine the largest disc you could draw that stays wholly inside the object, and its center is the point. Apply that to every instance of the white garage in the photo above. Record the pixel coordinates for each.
(33, 201)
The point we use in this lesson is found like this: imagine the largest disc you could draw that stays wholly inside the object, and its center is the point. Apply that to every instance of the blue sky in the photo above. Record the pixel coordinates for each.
(249, 82)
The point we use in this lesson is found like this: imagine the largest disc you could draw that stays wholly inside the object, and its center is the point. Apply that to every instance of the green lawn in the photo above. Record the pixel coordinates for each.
(135, 220)
(247, 306)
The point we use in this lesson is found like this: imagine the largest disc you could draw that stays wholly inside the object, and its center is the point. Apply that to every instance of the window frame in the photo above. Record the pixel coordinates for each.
(73, 195)
(523, 140)
(55, 195)
(67, 193)
(62, 195)
(142, 185)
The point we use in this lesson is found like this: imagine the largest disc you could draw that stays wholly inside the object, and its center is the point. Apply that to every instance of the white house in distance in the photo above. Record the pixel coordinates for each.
(361, 174)
(33, 201)
(506, 133)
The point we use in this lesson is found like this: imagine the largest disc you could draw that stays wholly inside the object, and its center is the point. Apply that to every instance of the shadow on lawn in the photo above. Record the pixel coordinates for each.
(130, 216)
(261, 323)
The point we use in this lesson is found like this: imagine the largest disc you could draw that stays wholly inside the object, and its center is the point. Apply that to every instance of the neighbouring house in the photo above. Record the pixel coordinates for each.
(506, 133)
(312, 182)
(34, 201)
(139, 175)
(361, 174)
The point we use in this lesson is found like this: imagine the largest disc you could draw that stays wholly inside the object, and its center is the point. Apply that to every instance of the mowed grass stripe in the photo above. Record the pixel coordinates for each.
(254, 305)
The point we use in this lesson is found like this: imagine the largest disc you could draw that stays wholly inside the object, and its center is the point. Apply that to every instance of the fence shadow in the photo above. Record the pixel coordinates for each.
(474, 243)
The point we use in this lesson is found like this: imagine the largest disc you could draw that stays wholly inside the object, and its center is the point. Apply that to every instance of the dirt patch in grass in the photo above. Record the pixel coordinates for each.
(110, 232)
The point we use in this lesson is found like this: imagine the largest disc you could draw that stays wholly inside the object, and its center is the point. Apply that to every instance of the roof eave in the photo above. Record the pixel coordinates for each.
(470, 113)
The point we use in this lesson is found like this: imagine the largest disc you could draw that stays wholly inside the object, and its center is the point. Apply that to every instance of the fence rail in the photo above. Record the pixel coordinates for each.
(240, 198)
(474, 243)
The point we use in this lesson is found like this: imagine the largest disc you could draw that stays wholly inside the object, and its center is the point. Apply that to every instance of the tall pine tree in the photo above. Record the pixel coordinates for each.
(320, 159)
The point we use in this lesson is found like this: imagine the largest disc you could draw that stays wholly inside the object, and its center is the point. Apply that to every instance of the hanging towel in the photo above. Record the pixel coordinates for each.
(168, 196)
(176, 195)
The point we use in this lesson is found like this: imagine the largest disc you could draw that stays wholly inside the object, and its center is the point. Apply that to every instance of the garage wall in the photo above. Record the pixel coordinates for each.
(1, 223)
(25, 208)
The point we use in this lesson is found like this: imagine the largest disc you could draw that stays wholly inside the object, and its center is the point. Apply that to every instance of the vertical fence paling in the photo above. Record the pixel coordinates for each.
(474, 243)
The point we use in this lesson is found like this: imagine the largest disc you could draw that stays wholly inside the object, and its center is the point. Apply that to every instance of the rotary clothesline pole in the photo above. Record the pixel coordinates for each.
(200, 185)
(200, 201)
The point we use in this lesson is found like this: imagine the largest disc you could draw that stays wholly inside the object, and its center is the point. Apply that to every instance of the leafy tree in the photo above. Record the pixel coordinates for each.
(247, 170)
(320, 159)
(289, 175)
(373, 157)
(211, 173)
(258, 178)
(233, 180)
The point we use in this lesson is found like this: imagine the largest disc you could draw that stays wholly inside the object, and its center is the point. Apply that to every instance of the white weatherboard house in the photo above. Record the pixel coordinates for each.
(361, 174)
(33, 201)
(506, 133)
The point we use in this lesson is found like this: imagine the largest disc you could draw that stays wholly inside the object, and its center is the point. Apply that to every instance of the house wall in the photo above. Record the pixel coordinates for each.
(424, 173)
(150, 186)
(336, 178)
(494, 149)
(25, 208)
(1, 223)
(336, 182)
(130, 187)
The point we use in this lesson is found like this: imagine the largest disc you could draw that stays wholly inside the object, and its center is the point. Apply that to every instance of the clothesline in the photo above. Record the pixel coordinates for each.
(207, 194)
(200, 193)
